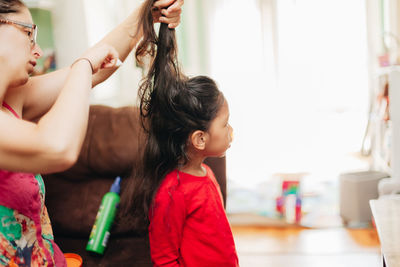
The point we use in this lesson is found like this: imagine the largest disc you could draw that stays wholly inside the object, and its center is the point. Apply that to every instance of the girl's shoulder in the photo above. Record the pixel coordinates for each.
(177, 182)
(169, 183)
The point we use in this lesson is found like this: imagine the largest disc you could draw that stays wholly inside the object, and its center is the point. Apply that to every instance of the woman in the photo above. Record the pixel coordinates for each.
(43, 122)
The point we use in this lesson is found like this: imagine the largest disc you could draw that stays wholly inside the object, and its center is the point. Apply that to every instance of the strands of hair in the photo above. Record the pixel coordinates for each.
(10, 6)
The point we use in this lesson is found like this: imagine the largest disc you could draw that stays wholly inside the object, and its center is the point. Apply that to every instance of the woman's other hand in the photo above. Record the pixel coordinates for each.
(101, 56)
(168, 12)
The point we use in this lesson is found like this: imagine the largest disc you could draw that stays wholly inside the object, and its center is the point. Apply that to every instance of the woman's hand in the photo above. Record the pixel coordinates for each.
(168, 12)
(101, 56)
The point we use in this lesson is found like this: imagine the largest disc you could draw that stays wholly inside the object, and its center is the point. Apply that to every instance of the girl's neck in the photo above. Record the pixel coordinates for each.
(194, 167)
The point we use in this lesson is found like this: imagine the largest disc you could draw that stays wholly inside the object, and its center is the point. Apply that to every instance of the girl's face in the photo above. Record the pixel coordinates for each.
(17, 52)
(220, 133)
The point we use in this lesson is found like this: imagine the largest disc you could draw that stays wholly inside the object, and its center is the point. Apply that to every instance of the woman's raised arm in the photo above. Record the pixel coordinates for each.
(41, 91)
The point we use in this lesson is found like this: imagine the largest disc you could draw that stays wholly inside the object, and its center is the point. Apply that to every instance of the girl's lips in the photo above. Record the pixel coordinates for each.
(33, 63)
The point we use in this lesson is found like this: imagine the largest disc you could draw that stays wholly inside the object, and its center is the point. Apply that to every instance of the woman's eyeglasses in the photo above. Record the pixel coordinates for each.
(32, 28)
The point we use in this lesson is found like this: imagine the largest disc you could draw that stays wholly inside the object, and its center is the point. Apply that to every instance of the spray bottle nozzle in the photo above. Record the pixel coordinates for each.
(115, 187)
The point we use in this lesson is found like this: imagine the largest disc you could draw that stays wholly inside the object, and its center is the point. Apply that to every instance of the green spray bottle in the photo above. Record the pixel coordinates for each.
(105, 216)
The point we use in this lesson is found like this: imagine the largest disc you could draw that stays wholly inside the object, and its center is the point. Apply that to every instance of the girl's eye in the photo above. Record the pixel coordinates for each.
(29, 33)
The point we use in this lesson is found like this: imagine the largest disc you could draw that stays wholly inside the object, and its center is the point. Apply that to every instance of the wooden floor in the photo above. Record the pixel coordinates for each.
(284, 247)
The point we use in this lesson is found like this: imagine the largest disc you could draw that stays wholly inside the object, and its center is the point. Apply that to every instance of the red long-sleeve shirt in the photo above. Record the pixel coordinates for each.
(188, 224)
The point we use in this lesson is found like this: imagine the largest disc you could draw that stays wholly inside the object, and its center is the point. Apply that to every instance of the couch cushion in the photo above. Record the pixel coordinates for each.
(109, 150)
(73, 204)
(111, 143)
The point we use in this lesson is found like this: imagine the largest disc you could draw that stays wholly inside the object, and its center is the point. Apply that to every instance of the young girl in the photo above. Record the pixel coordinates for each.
(185, 121)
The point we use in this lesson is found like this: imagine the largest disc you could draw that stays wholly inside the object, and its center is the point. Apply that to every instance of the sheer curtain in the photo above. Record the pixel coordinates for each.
(323, 76)
(295, 73)
(242, 62)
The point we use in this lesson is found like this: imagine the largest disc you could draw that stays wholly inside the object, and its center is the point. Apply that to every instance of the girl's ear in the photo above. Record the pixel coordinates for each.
(198, 139)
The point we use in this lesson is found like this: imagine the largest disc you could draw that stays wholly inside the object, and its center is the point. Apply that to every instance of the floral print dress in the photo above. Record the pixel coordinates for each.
(26, 237)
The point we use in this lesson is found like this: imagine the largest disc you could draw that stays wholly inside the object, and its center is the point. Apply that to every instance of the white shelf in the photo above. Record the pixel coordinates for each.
(391, 143)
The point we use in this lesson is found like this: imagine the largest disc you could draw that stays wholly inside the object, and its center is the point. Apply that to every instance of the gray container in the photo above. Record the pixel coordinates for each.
(356, 189)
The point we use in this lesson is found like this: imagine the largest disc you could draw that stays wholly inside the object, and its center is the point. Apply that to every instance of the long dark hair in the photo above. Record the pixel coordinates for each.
(10, 6)
(172, 106)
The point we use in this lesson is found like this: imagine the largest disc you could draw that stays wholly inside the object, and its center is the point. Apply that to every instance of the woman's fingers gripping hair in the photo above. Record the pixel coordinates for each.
(171, 18)
(170, 12)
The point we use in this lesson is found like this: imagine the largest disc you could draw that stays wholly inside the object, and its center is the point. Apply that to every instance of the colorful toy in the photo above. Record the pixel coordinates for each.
(288, 204)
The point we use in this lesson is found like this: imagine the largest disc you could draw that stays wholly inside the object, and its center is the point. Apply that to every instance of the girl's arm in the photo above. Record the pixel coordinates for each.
(166, 228)
(41, 91)
(53, 144)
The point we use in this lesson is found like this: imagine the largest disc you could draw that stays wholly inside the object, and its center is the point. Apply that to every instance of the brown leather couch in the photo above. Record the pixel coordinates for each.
(73, 197)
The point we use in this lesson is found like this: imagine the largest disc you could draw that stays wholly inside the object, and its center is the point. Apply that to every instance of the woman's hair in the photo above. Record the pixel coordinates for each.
(172, 106)
(10, 6)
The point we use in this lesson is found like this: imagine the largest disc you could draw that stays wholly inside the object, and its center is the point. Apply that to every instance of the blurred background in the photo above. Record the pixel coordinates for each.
(298, 75)
(305, 81)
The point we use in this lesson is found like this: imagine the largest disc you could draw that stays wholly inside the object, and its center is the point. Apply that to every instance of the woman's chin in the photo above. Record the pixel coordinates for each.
(31, 68)
(20, 81)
